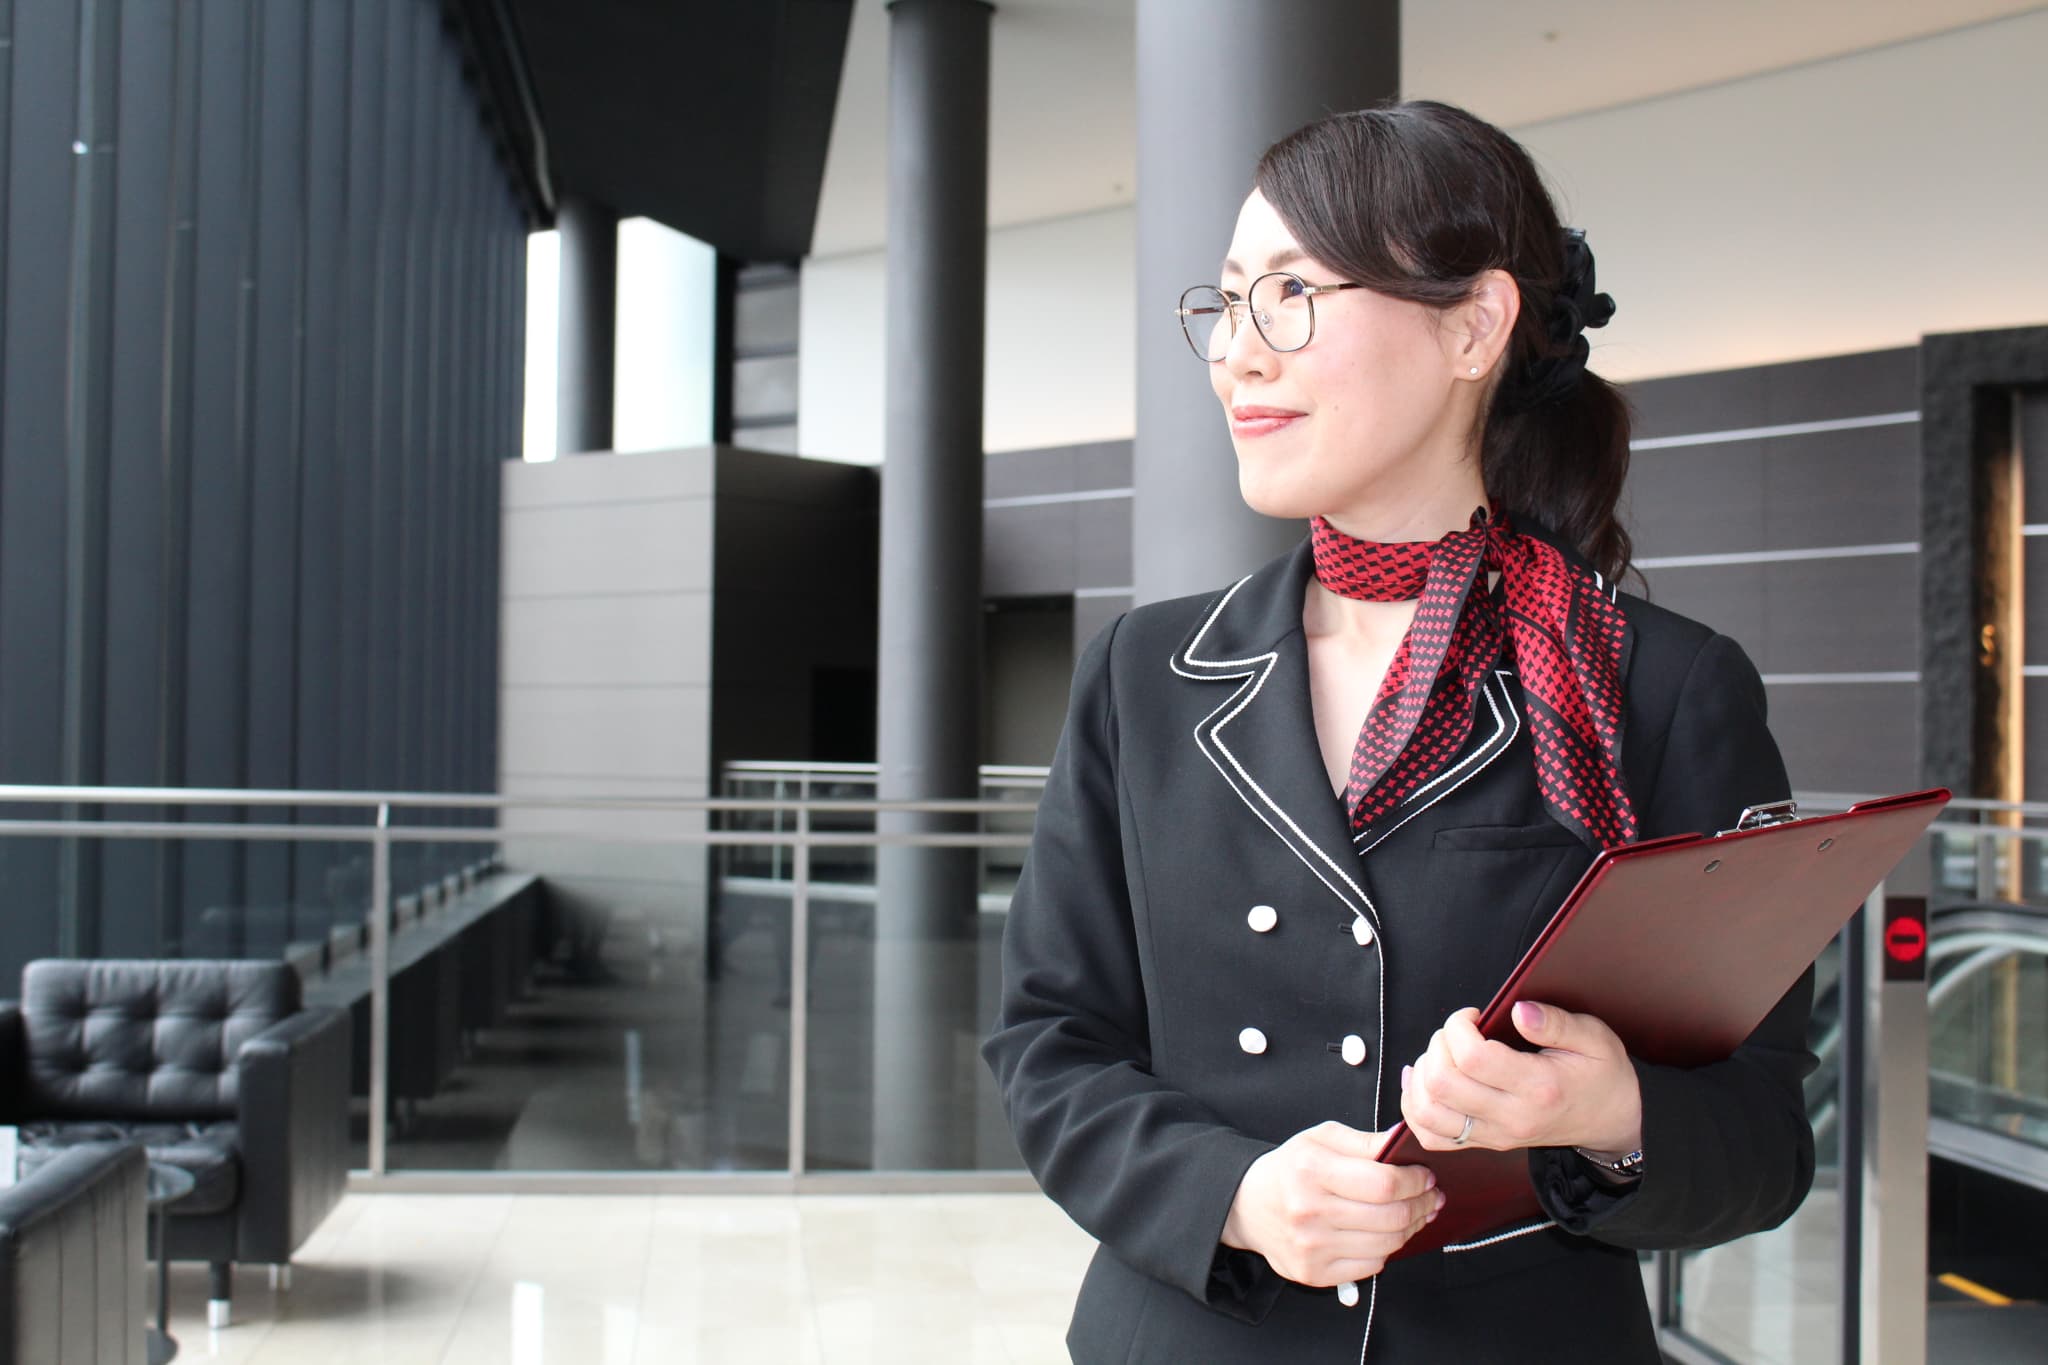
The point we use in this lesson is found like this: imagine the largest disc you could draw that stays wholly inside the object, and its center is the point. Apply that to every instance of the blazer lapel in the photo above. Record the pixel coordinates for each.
(1261, 734)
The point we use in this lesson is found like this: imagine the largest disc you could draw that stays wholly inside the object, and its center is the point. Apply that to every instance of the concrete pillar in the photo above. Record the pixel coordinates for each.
(589, 325)
(1218, 82)
(928, 716)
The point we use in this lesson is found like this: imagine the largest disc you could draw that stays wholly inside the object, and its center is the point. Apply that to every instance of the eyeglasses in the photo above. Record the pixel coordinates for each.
(1282, 307)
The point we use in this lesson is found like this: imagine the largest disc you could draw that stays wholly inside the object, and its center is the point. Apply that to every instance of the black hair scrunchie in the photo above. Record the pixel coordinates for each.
(1553, 376)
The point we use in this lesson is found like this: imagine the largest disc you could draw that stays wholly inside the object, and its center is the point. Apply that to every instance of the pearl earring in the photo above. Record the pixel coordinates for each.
(1475, 369)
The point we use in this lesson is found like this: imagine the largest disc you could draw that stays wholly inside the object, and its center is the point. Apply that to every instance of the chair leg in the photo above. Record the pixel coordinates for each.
(220, 1294)
(281, 1277)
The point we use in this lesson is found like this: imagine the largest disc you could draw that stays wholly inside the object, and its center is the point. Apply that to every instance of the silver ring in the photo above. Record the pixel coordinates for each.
(1463, 1133)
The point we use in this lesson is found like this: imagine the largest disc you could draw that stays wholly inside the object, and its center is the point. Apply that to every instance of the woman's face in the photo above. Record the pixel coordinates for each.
(1360, 418)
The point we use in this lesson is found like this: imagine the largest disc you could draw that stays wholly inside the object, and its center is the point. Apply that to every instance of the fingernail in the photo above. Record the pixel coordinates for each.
(1433, 1213)
(1429, 1181)
(1404, 1076)
(1529, 1014)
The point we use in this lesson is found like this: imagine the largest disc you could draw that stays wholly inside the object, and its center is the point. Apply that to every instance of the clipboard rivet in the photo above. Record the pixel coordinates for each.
(1826, 844)
(1714, 864)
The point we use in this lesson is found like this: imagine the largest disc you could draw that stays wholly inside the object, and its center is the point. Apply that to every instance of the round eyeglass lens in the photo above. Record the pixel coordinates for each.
(1205, 318)
(1281, 309)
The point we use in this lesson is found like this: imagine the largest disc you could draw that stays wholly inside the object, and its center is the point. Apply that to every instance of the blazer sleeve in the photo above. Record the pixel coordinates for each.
(1146, 1169)
(1727, 1148)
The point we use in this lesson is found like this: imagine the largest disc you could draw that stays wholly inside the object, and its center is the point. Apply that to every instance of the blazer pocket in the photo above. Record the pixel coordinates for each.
(1481, 838)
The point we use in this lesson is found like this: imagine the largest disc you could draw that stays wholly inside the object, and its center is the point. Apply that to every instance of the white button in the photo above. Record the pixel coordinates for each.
(1262, 918)
(1354, 1049)
(1252, 1041)
(1347, 1293)
(1361, 931)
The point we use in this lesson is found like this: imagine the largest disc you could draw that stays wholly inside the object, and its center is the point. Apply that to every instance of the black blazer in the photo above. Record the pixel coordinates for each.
(1188, 788)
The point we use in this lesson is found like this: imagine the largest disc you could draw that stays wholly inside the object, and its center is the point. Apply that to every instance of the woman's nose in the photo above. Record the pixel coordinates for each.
(1248, 352)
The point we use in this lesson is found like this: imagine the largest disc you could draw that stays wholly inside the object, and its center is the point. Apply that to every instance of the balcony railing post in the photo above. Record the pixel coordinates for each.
(799, 985)
(380, 985)
(1893, 1289)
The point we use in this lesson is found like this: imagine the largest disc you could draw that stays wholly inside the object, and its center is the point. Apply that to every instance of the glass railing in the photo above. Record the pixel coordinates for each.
(676, 990)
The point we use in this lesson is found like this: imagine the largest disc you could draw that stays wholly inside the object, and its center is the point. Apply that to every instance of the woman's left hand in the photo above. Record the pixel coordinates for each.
(1579, 1091)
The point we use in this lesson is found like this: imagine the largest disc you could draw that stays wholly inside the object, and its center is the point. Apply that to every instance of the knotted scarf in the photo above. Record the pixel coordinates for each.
(1557, 625)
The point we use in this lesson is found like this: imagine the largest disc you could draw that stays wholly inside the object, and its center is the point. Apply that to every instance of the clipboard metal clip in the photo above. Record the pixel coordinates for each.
(1769, 813)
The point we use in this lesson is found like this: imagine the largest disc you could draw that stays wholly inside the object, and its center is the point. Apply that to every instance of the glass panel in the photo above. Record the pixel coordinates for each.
(1775, 1298)
(894, 1076)
(615, 1009)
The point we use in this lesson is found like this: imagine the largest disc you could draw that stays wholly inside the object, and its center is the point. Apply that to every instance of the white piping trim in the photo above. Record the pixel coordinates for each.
(1234, 706)
(1053, 499)
(1500, 1237)
(1708, 438)
(1893, 547)
(1511, 725)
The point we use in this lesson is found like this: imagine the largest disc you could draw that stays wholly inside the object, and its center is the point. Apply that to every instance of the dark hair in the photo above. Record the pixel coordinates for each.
(1415, 199)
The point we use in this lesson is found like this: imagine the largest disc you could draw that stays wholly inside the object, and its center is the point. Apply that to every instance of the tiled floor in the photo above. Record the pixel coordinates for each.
(628, 1280)
(772, 1280)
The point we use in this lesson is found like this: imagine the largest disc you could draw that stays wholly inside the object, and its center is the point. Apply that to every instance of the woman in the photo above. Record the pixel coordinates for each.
(1298, 829)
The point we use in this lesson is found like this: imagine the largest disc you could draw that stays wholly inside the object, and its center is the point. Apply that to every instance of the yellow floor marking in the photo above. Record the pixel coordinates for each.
(1976, 1291)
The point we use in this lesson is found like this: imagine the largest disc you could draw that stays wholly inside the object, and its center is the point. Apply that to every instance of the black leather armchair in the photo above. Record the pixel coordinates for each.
(72, 1274)
(212, 1066)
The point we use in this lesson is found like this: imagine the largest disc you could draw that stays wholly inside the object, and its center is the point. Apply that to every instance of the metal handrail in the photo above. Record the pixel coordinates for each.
(228, 796)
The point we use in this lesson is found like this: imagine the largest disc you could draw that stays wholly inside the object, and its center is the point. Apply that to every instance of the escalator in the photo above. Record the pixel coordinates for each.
(1988, 1133)
(1988, 1125)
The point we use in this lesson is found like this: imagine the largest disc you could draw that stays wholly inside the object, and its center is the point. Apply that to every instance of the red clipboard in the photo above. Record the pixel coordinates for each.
(1682, 945)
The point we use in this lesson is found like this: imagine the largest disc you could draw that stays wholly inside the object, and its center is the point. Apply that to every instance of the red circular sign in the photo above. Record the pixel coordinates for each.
(1905, 939)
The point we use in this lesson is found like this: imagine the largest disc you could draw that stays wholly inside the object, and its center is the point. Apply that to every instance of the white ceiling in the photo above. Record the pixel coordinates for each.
(1062, 100)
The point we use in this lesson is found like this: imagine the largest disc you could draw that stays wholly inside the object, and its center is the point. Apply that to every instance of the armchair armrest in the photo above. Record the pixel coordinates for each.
(79, 1217)
(13, 1065)
(292, 1084)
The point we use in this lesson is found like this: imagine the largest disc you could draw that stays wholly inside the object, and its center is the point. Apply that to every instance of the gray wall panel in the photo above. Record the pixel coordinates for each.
(1028, 551)
(1827, 388)
(1858, 737)
(1696, 500)
(1797, 491)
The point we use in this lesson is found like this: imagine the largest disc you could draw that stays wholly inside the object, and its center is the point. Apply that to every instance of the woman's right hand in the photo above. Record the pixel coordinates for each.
(1322, 1211)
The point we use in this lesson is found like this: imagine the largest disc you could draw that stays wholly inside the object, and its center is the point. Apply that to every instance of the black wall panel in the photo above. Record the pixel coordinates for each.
(260, 354)
(35, 306)
(140, 533)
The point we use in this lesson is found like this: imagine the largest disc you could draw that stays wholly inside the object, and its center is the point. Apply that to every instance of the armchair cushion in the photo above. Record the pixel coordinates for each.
(144, 1040)
(210, 1151)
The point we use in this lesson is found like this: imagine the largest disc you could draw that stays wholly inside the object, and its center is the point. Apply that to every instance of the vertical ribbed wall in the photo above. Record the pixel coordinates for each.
(261, 293)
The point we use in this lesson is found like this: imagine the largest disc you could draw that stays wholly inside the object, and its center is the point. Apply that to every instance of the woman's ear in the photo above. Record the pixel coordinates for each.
(1481, 324)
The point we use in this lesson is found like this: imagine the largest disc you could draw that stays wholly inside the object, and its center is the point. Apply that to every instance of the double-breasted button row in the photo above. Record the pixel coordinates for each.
(1263, 919)
(1352, 1049)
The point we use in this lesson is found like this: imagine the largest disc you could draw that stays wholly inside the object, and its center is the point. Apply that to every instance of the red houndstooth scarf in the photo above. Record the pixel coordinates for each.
(1562, 633)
